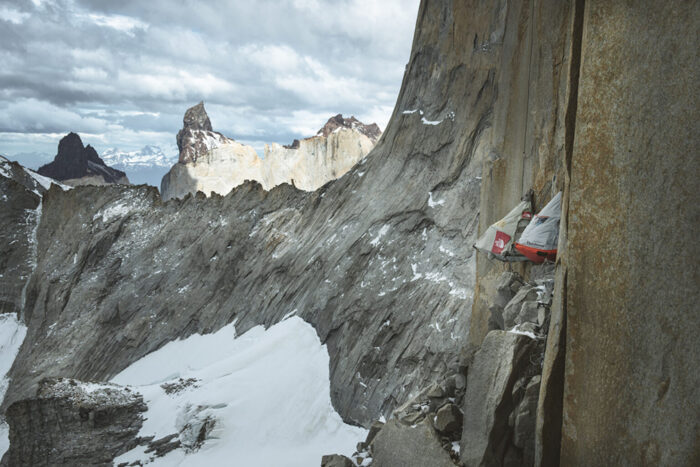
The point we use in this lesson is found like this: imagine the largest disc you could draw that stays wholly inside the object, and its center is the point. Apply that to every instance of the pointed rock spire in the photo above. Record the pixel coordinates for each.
(197, 136)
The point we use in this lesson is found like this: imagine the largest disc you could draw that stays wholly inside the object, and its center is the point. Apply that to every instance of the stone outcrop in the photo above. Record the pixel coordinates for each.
(69, 422)
(216, 170)
(436, 411)
(76, 164)
(210, 162)
(489, 401)
(400, 445)
(336, 460)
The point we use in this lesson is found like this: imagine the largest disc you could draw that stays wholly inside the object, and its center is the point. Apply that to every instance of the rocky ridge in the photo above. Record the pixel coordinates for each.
(210, 162)
(76, 164)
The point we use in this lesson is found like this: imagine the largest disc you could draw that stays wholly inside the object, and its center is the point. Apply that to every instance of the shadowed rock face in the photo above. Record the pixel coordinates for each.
(379, 261)
(76, 164)
(20, 195)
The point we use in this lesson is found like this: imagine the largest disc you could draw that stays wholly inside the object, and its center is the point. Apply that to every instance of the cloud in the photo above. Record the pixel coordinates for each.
(34, 116)
(121, 23)
(12, 16)
(270, 70)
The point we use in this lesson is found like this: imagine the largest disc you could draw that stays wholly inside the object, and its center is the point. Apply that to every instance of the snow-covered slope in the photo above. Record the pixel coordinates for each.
(12, 333)
(262, 398)
(148, 156)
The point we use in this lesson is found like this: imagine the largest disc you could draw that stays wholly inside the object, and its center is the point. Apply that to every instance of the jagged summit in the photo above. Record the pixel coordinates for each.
(196, 118)
(337, 122)
(372, 131)
(76, 164)
(197, 136)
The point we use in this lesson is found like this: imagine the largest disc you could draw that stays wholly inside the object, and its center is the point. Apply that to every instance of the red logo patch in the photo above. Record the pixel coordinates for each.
(500, 242)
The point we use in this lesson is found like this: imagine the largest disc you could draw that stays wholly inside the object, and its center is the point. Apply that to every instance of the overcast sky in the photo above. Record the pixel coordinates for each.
(122, 73)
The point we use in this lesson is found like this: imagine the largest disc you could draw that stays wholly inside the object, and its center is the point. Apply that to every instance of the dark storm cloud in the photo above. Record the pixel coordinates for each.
(126, 71)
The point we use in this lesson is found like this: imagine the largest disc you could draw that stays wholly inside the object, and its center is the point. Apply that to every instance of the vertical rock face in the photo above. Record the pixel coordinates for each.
(399, 445)
(76, 164)
(528, 138)
(632, 391)
(596, 101)
(210, 162)
(73, 423)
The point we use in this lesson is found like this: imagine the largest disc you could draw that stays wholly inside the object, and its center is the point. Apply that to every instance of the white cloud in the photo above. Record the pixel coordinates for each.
(12, 15)
(120, 23)
(34, 116)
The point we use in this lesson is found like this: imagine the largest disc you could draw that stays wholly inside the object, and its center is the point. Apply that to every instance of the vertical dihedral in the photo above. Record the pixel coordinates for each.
(527, 138)
(549, 406)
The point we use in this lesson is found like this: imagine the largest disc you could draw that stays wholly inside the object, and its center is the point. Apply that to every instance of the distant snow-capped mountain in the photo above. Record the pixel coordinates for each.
(148, 156)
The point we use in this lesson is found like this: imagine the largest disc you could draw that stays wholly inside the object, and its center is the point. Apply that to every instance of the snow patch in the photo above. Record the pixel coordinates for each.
(380, 234)
(33, 252)
(430, 122)
(267, 394)
(112, 212)
(12, 333)
(46, 181)
(432, 203)
(529, 334)
(416, 274)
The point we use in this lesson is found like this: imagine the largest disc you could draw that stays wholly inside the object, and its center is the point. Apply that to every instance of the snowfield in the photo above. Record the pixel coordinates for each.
(12, 333)
(264, 398)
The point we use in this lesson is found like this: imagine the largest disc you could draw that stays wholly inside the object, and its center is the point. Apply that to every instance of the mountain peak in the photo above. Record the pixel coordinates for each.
(197, 136)
(196, 118)
(371, 131)
(75, 161)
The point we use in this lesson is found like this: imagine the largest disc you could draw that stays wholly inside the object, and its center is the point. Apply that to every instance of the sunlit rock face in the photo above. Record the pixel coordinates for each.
(310, 163)
(210, 162)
